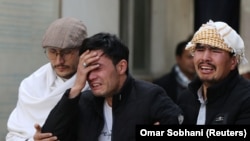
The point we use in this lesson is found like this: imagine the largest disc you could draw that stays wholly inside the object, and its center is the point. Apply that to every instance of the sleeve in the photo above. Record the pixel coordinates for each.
(243, 116)
(164, 109)
(62, 119)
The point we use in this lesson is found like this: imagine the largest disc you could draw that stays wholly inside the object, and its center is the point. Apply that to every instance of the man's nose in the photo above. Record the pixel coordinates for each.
(206, 54)
(59, 57)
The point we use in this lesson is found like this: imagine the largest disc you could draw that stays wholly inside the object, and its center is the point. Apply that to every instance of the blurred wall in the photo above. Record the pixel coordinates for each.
(98, 15)
(245, 31)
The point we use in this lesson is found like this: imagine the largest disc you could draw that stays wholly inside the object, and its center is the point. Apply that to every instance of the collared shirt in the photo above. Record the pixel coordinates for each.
(201, 120)
(181, 78)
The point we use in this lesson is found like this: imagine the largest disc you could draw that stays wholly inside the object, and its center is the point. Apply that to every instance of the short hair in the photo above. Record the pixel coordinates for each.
(110, 44)
(180, 48)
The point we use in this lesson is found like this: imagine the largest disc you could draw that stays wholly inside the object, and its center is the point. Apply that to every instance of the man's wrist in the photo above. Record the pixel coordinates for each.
(74, 92)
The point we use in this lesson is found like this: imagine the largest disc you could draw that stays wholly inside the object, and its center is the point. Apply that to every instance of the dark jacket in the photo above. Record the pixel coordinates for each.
(139, 102)
(228, 102)
(169, 83)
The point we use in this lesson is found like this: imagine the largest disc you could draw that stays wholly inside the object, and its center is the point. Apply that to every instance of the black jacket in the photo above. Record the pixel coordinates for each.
(169, 83)
(139, 102)
(228, 102)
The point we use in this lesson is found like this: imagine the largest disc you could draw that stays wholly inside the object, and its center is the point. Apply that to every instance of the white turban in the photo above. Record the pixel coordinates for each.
(221, 35)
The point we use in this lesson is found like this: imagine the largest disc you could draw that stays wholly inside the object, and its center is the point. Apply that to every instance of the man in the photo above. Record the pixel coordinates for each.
(39, 92)
(219, 95)
(181, 73)
(116, 102)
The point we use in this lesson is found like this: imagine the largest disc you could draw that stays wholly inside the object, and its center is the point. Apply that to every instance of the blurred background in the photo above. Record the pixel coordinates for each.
(150, 28)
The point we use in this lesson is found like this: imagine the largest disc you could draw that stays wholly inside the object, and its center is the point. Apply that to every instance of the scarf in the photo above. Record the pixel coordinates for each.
(38, 94)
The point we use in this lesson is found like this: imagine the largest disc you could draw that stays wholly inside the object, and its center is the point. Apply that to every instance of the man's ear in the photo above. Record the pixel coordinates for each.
(234, 62)
(122, 66)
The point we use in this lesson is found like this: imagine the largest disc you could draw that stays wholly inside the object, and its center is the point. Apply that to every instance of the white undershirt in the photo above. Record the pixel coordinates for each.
(107, 129)
(201, 120)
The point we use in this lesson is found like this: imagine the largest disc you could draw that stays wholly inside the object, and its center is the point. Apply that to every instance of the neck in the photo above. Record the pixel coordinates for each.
(109, 101)
(204, 91)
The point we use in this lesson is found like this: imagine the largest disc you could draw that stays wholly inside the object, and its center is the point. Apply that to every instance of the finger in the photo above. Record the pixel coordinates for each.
(42, 136)
(157, 123)
(92, 67)
(88, 58)
(85, 53)
(37, 127)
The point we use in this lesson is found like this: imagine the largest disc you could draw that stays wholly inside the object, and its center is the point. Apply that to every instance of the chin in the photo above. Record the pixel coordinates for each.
(95, 93)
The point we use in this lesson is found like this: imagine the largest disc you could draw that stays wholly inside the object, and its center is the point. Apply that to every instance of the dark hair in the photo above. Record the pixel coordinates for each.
(110, 44)
(182, 45)
(180, 48)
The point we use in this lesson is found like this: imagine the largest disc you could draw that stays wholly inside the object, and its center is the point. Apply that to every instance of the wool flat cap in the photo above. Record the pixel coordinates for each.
(67, 32)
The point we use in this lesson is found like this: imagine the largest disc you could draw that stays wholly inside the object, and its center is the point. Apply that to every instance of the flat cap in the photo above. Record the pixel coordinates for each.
(67, 32)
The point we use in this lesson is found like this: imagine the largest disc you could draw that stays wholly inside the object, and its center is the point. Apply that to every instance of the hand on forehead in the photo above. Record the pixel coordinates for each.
(98, 52)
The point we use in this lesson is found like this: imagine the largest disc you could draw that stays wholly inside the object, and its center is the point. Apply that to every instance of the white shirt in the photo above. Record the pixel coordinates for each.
(201, 120)
(107, 129)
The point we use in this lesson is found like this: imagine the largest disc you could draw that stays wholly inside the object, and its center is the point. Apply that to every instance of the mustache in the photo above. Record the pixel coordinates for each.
(60, 65)
(207, 64)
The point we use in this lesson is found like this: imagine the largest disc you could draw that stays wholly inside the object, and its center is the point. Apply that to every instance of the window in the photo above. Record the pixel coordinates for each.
(135, 32)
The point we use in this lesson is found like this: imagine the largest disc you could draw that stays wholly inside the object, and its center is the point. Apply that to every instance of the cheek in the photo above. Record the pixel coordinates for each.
(195, 60)
(74, 61)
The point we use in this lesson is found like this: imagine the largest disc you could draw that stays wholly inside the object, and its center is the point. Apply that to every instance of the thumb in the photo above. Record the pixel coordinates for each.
(38, 128)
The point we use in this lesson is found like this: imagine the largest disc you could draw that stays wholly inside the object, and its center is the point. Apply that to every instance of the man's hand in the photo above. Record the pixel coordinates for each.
(157, 123)
(85, 65)
(39, 136)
